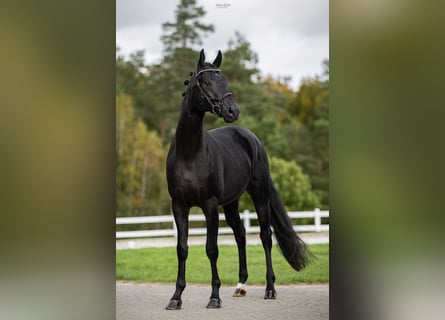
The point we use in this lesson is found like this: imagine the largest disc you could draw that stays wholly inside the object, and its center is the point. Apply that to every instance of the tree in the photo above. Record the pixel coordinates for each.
(132, 80)
(310, 94)
(240, 67)
(156, 89)
(140, 160)
(240, 61)
(263, 101)
(310, 109)
(185, 31)
(164, 83)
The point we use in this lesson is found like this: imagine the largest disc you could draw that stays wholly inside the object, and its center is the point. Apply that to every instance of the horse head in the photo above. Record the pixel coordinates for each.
(213, 93)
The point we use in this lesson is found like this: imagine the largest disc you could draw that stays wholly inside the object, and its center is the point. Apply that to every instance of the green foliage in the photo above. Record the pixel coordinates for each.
(240, 61)
(311, 93)
(165, 80)
(269, 133)
(293, 185)
(140, 158)
(132, 79)
(160, 265)
(310, 145)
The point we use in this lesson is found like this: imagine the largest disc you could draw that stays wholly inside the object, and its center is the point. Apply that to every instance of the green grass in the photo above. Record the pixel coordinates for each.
(160, 265)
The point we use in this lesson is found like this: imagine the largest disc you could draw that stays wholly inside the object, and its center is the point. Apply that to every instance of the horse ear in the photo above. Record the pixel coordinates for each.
(202, 59)
(218, 59)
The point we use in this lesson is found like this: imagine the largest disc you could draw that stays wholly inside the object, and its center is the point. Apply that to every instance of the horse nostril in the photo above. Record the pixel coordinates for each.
(231, 111)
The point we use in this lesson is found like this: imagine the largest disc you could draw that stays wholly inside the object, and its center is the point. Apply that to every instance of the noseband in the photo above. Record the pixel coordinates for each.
(215, 103)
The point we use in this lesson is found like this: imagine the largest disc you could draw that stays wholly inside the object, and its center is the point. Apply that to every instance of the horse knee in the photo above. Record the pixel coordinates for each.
(212, 252)
(265, 234)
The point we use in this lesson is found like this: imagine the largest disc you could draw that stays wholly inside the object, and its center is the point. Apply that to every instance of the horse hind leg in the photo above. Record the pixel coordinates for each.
(261, 202)
(234, 221)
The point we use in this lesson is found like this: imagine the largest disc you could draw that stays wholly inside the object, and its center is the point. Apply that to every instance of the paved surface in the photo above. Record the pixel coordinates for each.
(147, 301)
(308, 237)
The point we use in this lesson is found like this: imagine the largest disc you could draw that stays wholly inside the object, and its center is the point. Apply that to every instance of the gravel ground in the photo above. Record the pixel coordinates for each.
(147, 301)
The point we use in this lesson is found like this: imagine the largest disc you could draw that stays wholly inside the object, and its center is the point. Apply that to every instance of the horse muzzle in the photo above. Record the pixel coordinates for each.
(230, 113)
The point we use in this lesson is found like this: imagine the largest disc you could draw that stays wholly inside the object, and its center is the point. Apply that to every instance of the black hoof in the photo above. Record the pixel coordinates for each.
(174, 305)
(270, 294)
(214, 303)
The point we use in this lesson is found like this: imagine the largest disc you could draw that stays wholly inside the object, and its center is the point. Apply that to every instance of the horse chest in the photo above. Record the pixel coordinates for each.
(190, 181)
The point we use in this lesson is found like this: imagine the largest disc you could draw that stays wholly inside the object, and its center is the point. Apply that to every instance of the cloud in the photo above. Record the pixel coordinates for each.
(145, 38)
(139, 13)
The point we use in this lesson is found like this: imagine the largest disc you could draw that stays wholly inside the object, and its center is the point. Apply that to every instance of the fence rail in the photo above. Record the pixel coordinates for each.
(245, 216)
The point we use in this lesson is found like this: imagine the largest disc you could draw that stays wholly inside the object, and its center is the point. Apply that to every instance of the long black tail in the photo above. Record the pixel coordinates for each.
(291, 245)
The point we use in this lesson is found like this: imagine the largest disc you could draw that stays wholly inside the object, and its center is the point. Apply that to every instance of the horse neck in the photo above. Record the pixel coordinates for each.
(189, 132)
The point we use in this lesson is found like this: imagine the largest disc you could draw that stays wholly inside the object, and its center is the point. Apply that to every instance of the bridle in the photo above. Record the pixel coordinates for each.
(215, 103)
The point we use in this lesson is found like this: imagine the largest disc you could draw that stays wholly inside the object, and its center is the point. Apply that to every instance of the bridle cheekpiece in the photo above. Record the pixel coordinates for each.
(215, 103)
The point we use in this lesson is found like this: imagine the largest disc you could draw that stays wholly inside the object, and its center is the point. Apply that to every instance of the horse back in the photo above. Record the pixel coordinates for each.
(235, 142)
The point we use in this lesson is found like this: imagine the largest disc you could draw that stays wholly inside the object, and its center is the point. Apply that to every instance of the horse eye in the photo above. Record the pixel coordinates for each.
(207, 83)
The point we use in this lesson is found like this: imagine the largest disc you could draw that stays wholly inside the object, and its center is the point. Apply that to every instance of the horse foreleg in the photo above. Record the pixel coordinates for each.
(180, 213)
(211, 214)
(234, 221)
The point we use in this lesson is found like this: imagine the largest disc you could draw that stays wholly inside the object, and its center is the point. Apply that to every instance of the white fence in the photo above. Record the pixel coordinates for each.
(245, 216)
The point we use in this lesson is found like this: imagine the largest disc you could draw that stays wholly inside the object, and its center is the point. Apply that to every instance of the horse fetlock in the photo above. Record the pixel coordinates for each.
(180, 286)
(243, 276)
(270, 294)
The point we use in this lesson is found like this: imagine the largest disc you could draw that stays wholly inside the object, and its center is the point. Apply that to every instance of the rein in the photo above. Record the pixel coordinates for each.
(215, 103)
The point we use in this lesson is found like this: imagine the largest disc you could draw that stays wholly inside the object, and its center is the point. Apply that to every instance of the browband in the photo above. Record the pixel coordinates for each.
(206, 70)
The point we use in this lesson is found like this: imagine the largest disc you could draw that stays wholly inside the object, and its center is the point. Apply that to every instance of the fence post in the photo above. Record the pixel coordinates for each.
(246, 218)
(317, 220)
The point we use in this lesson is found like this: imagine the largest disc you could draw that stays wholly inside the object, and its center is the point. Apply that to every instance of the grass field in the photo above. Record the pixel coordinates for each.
(160, 265)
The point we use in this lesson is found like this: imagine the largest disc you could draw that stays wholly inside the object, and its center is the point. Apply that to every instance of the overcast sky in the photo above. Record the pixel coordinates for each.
(291, 37)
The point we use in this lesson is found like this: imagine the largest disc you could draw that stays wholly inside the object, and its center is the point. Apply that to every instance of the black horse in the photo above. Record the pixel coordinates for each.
(213, 168)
